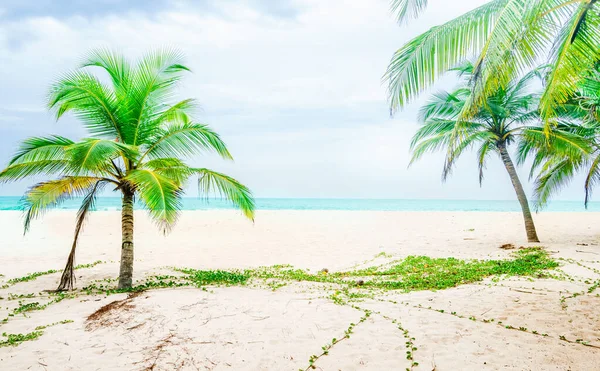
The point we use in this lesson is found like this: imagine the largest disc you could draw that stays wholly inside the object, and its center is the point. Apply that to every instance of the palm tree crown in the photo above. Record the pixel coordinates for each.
(139, 139)
(499, 122)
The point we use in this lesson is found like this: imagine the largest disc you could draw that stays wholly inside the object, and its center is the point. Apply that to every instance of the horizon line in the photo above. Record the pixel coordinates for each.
(340, 198)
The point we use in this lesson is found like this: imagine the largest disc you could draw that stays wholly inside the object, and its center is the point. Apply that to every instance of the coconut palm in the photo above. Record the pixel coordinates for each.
(556, 162)
(139, 139)
(507, 38)
(497, 124)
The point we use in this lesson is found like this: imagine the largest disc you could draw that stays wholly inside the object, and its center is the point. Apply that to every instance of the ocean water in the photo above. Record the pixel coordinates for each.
(114, 203)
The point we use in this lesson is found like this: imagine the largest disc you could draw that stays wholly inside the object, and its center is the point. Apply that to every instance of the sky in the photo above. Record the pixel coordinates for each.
(293, 86)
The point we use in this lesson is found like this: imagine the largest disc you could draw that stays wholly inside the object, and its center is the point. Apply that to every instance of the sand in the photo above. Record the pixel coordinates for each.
(255, 328)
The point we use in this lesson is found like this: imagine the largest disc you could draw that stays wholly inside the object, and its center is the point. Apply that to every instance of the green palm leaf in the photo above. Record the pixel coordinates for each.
(555, 175)
(38, 156)
(155, 76)
(170, 167)
(511, 48)
(212, 181)
(92, 102)
(95, 155)
(576, 52)
(116, 66)
(186, 139)
(41, 148)
(405, 9)
(161, 116)
(47, 195)
(482, 156)
(417, 65)
(160, 195)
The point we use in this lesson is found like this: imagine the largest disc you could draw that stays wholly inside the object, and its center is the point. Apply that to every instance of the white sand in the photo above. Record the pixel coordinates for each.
(248, 328)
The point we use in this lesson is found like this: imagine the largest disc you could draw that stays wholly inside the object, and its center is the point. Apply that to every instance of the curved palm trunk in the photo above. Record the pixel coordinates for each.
(529, 226)
(126, 270)
(67, 280)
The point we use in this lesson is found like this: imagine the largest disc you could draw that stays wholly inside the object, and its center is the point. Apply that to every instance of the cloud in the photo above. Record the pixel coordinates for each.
(68, 8)
(294, 86)
(18, 9)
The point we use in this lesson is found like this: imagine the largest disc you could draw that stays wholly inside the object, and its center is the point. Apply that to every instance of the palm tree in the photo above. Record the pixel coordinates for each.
(139, 139)
(557, 161)
(498, 123)
(507, 37)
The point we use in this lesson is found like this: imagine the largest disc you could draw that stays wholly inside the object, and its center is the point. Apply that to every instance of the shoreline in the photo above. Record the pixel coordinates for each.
(328, 204)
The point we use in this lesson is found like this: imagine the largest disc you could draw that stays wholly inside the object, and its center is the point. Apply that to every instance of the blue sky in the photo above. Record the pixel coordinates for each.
(293, 86)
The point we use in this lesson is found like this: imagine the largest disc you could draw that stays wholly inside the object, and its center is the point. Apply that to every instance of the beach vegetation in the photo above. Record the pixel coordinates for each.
(415, 273)
(32, 276)
(327, 347)
(139, 138)
(17, 339)
(220, 277)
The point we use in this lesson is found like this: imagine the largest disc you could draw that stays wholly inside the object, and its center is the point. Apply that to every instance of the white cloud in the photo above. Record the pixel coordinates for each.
(298, 97)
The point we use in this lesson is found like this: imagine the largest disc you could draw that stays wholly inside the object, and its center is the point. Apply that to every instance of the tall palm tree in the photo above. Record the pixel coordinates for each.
(498, 123)
(507, 37)
(140, 138)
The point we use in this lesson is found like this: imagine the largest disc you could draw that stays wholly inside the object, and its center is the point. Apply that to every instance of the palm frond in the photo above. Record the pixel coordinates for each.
(154, 78)
(482, 156)
(591, 179)
(41, 148)
(561, 144)
(95, 155)
(115, 65)
(185, 139)
(520, 34)
(234, 191)
(554, 176)
(23, 170)
(38, 156)
(467, 140)
(444, 105)
(92, 102)
(418, 64)
(406, 9)
(162, 115)
(437, 134)
(160, 195)
(170, 167)
(47, 195)
(575, 54)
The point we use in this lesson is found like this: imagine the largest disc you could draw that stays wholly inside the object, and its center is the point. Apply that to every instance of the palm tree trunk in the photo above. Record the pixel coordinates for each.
(529, 226)
(67, 280)
(126, 271)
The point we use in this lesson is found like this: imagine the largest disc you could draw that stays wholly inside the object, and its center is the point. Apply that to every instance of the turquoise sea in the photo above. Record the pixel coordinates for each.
(113, 203)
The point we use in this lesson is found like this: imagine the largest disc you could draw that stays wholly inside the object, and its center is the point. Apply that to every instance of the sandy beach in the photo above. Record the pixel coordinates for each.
(497, 324)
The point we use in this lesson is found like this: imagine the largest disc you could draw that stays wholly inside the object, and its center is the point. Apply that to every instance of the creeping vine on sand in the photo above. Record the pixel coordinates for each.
(34, 275)
(345, 288)
(325, 348)
(16, 339)
(495, 322)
